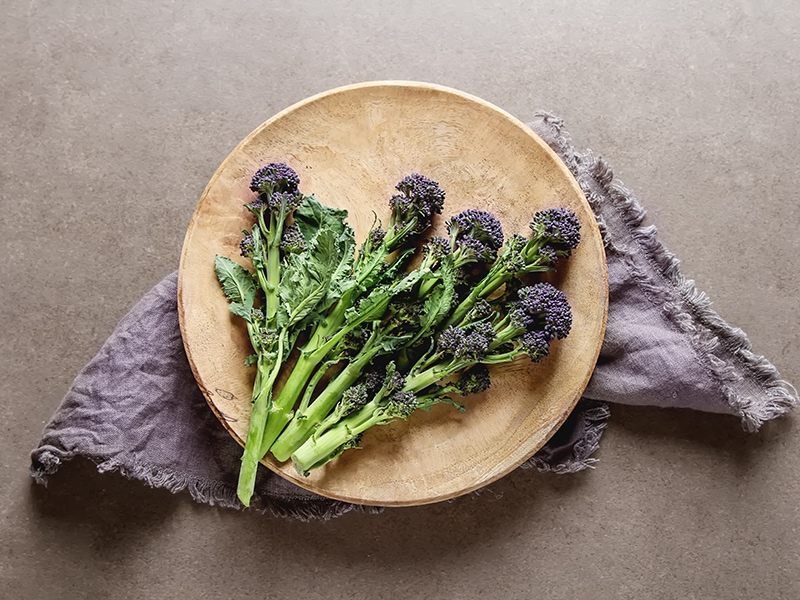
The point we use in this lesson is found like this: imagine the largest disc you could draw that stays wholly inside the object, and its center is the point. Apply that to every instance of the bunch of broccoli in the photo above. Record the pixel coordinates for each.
(381, 340)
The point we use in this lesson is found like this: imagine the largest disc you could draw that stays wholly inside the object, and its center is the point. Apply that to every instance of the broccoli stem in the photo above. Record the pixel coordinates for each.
(265, 379)
(496, 277)
(319, 448)
(312, 385)
(273, 264)
(281, 412)
(316, 452)
(299, 430)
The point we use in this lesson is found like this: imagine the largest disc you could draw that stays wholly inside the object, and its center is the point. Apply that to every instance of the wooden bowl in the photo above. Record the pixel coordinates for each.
(350, 146)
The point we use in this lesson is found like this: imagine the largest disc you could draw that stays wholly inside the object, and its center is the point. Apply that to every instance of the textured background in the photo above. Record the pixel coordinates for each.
(113, 116)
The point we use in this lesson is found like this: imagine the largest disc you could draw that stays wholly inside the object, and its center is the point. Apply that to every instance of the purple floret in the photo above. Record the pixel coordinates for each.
(394, 382)
(423, 190)
(535, 344)
(545, 308)
(484, 330)
(373, 378)
(437, 248)
(292, 240)
(354, 398)
(419, 199)
(247, 245)
(474, 381)
(402, 404)
(376, 236)
(450, 339)
(469, 345)
(481, 310)
(550, 253)
(275, 177)
(559, 226)
(478, 230)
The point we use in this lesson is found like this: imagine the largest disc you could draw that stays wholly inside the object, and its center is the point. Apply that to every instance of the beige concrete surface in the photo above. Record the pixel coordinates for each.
(113, 116)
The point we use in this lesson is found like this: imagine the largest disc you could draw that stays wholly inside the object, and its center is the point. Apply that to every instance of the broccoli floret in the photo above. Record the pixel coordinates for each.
(400, 406)
(535, 344)
(293, 240)
(466, 344)
(559, 227)
(475, 235)
(246, 246)
(373, 378)
(354, 398)
(543, 307)
(474, 381)
(275, 177)
(419, 199)
(376, 236)
(434, 250)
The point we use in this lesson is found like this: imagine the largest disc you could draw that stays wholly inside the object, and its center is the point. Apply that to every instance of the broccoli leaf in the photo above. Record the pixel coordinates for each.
(238, 286)
(439, 303)
(341, 262)
(374, 305)
(312, 217)
(306, 279)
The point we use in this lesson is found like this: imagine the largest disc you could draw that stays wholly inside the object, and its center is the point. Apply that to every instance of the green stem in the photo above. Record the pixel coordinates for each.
(281, 412)
(496, 277)
(262, 392)
(273, 267)
(299, 430)
(314, 452)
(496, 359)
(312, 385)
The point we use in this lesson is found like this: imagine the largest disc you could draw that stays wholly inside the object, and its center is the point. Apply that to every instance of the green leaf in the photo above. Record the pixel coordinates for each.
(238, 286)
(306, 278)
(240, 310)
(341, 278)
(438, 305)
(312, 217)
(251, 360)
(391, 343)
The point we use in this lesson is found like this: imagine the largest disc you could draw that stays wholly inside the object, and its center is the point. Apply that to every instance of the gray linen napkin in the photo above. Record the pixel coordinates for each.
(135, 408)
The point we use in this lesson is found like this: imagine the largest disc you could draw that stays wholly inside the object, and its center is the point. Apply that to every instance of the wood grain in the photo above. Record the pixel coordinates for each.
(350, 146)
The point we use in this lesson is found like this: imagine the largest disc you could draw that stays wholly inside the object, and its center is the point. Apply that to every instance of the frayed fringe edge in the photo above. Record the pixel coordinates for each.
(597, 421)
(213, 493)
(693, 313)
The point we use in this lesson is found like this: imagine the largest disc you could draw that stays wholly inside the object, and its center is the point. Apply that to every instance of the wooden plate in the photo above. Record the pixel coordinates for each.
(350, 146)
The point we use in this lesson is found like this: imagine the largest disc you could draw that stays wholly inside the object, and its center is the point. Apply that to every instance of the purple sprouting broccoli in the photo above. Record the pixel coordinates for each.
(559, 228)
(413, 208)
(247, 246)
(543, 307)
(474, 381)
(442, 347)
(540, 315)
(275, 177)
(293, 240)
(376, 236)
(470, 344)
(475, 235)
(434, 250)
(535, 344)
(347, 432)
(555, 233)
(276, 186)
